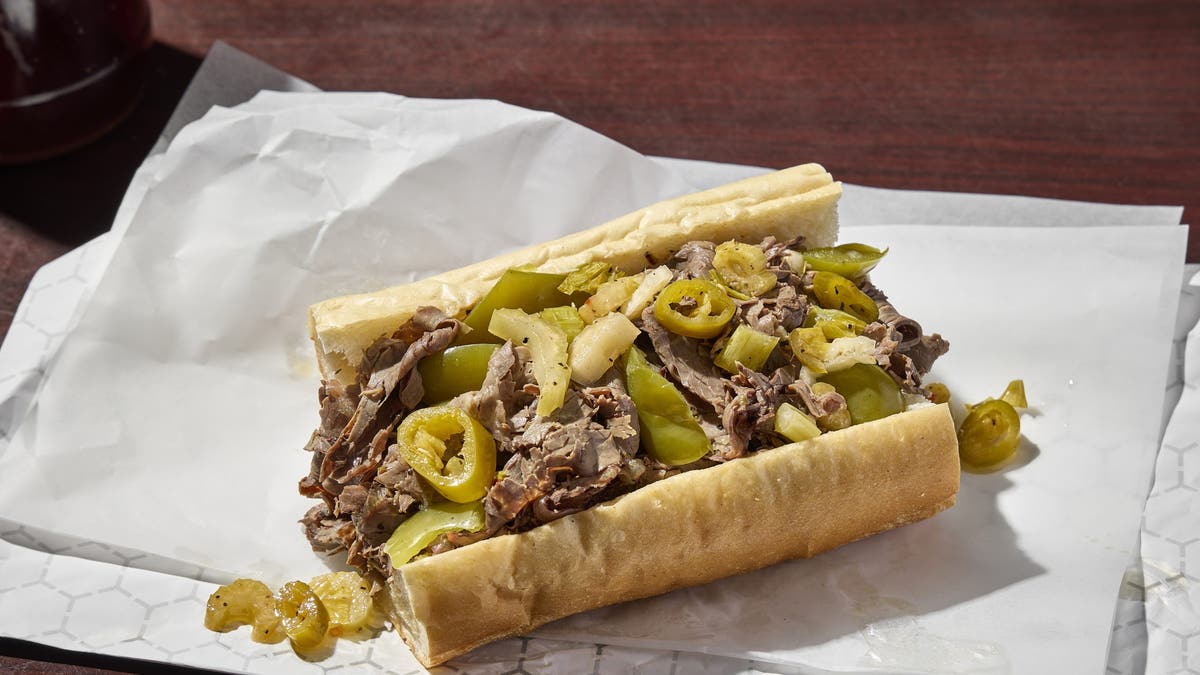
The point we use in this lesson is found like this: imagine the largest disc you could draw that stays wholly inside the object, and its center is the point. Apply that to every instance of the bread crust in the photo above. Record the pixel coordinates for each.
(794, 501)
(801, 200)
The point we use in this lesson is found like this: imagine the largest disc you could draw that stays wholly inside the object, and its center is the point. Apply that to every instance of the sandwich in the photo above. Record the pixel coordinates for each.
(701, 388)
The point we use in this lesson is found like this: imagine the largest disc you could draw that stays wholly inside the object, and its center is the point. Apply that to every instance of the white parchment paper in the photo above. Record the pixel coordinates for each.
(180, 403)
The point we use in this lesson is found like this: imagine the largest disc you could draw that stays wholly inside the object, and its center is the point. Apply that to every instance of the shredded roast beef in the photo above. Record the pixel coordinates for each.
(505, 403)
(688, 361)
(902, 349)
(775, 313)
(587, 451)
(695, 260)
(561, 463)
(351, 444)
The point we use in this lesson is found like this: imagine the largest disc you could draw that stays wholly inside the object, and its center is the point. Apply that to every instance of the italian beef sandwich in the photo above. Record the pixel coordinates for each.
(701, 388)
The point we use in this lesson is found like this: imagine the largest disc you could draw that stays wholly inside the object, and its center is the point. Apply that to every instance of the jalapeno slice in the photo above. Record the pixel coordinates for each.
(869, 391)
(849, 260)
(694, 308)
(835, 291)
(454, 371)
(450, 450)
(989, 435)
(670, 432)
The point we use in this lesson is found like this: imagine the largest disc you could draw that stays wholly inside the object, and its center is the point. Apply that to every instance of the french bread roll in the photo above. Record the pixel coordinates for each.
(794, 501)
(801, 200)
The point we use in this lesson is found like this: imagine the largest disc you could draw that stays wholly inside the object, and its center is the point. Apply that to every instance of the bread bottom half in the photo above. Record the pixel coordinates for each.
(794, 501)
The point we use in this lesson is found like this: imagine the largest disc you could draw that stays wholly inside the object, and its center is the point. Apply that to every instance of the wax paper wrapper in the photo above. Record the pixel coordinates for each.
(171, 421)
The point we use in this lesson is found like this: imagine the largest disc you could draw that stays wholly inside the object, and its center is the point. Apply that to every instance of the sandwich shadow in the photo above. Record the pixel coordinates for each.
(964, 553)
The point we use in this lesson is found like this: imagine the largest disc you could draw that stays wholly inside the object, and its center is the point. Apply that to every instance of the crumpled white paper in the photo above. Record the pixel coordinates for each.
(182, 399)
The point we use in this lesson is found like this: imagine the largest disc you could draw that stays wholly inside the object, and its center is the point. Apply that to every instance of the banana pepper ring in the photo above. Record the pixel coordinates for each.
(694, 308)
(450, 450)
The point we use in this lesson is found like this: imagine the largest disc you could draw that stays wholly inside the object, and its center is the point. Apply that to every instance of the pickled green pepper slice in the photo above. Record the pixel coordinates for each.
(516, 289)
(450, 450)
(694, 308)
(835, 291)
(454, 371)
(989, 435)
(744, 268)
(420, 529)
(869, 391)
(848, 260)
(670, 432)
(834, 323)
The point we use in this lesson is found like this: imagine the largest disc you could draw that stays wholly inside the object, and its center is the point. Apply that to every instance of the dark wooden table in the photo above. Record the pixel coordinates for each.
(1090, 100)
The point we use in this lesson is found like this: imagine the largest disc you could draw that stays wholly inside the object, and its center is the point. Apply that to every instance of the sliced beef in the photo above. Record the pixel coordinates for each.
(926, 350)
(694, 260)
(327, 533)
(561, 463)
(389, 385)
(405, 486)
(775, 313)
(505, 402)
(351, 443)
(687, 361)
(749, 416)
(750, 411)
(902, 349)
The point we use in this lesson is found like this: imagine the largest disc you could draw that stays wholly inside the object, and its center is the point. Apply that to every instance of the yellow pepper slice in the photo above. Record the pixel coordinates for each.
(450, 450)
(304, 617)
(693, 307)
(419, 531)
(834, 323)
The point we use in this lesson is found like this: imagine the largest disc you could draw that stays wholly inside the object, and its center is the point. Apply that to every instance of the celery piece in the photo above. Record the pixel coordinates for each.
(748, 347)
(794, 424)
(547, 343)
(566, 317)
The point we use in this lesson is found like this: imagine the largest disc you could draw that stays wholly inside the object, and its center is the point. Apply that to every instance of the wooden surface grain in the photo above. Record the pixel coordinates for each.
(1078, 100)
